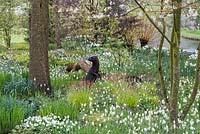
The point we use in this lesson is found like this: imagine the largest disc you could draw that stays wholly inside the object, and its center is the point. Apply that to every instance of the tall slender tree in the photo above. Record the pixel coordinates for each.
(39, 68)
(171, 98)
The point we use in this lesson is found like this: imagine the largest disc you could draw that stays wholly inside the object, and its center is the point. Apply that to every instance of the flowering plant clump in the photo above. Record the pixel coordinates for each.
(45, 124)
(110, 106)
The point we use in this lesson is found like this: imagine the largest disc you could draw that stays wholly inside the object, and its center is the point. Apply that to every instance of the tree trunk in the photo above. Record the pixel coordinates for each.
(176, 66)
(160, 70)
(56, 24)
(7, 37)
(39, 68)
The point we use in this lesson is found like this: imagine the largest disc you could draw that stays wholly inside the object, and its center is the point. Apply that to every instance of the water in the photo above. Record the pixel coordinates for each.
(187, 45)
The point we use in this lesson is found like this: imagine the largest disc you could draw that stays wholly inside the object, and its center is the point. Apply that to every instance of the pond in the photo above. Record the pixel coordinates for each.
(187, 45)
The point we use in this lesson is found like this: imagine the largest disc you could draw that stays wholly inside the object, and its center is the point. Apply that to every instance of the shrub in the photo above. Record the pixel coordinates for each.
(128, 97)
(30, 106)
(79, 98)
(19, 88)
(58, 107)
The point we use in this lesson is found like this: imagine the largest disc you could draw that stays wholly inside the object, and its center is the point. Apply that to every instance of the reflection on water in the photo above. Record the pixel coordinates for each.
(186, 44)
(189, 45)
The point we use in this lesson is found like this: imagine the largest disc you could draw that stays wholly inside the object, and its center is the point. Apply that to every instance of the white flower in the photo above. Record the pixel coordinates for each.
(99, 16)
(153, 18)
(159, 23)
(60, 10)
(140, 14)
(166, 1)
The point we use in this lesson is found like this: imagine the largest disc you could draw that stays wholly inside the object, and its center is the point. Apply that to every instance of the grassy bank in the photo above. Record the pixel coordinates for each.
(191, 34)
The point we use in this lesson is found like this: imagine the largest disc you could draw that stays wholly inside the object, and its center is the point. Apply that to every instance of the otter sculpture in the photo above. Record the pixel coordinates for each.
(93, 72)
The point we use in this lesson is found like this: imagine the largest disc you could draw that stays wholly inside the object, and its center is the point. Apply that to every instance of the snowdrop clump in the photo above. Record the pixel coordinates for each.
(104, 114)
(50, 123)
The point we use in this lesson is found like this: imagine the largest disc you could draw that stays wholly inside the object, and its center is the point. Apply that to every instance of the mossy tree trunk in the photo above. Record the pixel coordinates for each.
(176, 64)
(160, 70)
(39, 67)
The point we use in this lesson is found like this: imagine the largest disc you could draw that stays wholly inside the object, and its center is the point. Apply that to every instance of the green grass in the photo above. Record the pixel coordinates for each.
(18, 38)
(11, 115)
(15, 39)
(109, 104)
(58, 107)
(79, 98)
(20, 46)
(128, 97)
(193, 34)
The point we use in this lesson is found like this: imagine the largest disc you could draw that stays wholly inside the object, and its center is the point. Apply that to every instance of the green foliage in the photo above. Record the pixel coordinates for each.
(20, 46)
(60, 82)
(147, 87)
(128, 98)
(57, 62)
(79, 98)
(4, 77)
(8, 19)
(18, 39)
(30, 106)
(22, 59)
(112, 128)
(52, 46)
(58, 107)
(103, 99)
(12, 114)
(148, 95)
(9, 119)
(193, 34)
(74, 44)
(2, 48)
(19, 88)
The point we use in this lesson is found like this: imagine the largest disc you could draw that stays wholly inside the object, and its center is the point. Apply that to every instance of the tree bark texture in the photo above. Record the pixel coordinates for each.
(160, 70)
(39, 68)
(176, 66)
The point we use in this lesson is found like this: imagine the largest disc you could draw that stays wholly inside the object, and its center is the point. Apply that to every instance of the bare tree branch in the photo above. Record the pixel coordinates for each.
(195, 89)
(153, 23)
